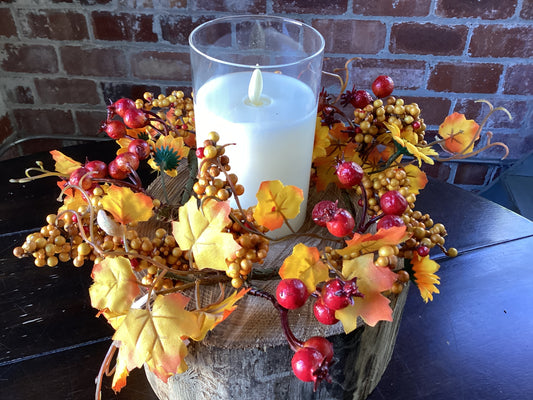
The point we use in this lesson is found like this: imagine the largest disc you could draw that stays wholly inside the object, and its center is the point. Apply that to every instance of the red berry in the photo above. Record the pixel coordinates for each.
(383, 86)
(321, 344)
(120, 106)
(140, 148)
(127, 161)
(115, 172)
(135, 118)
(305, 362)
(341, 224)
(422, 251)
(291, 293)
(361, 98)
(115, 129)
(390, 220)
(81, 175)
(349, 173)
(200, 152)
(416, 125)
(98, 169)
(392, 202)
(337, 294)
(323, 211)
(323, 313)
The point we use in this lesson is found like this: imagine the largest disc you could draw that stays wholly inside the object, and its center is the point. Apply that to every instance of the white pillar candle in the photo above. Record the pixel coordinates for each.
(273, 138)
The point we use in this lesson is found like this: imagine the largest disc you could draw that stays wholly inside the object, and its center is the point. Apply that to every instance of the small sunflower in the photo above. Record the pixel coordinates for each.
(420, 153)
(168, 152)
(424, 270)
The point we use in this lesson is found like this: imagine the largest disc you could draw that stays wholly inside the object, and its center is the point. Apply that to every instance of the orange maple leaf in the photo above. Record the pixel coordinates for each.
(202, 232)
(371, 280)
(64, 164)
(277, 203)
(460, 134)
(304, 264)
(158, 337)
(127, 206)
(369, 243)
(115, 286)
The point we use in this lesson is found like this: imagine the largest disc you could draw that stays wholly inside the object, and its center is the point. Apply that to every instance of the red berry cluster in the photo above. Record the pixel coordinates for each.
(335, 295)
(312, 358)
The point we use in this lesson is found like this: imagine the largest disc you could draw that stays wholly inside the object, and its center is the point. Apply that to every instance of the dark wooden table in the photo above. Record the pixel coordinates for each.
(474, 341)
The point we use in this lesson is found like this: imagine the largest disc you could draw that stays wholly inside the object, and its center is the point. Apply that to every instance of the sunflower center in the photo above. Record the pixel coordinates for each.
(166, 158)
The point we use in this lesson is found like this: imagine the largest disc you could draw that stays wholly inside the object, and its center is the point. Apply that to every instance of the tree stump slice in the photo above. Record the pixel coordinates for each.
(247, 356)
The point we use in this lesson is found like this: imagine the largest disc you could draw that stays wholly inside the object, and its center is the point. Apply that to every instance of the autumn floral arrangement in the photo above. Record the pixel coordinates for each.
(147, 284)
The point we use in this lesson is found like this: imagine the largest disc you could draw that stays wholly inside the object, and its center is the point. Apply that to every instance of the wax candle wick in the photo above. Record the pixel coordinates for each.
(255, 88)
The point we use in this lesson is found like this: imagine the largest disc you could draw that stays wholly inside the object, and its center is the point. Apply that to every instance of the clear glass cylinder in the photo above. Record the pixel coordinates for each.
(273, 132)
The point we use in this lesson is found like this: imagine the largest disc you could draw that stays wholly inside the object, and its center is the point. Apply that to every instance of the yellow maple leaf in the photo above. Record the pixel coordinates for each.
(304, 264)
(277, 203)
(127, 206)
(371, 281)
(417, 178)
(321, 140)
(460, 134)
(115, 286)
(64, 164)
(158, 337)
(203, 233)
(369, 243)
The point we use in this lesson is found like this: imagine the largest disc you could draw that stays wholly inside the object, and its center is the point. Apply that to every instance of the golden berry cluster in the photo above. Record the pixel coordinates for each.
(214, 178)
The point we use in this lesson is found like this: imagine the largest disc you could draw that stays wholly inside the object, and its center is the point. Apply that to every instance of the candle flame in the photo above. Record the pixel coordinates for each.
(255, 88)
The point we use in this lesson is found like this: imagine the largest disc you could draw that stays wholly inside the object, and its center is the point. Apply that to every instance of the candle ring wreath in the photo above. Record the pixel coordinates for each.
(148, 279)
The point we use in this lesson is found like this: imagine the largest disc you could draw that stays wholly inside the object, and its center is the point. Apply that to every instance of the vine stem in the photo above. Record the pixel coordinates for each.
(294, 343)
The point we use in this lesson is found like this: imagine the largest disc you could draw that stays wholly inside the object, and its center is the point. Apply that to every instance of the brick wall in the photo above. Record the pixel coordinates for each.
(61, 60)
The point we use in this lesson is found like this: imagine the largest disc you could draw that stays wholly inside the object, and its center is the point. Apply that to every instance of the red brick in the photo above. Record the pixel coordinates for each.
(406, 74)
(502, 41)
(519, 79)
(57, 25)
(29, 58)
(6, 129)
(67, 91)
(93, 62)
(20, 95)
(498, 120)
(32, 122)
(397, 8)
(176, 29)
(439, 171)
(161, 66)
(486, 9)
(7, 27)
(433, 109)
(415, 38)
(471, 174)
(465, 78)
(247, 7)
(352, 36)
(527, 9)
(113, 91)
(159, 4)
(89, 122)
(321, 7)
(123, 27)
